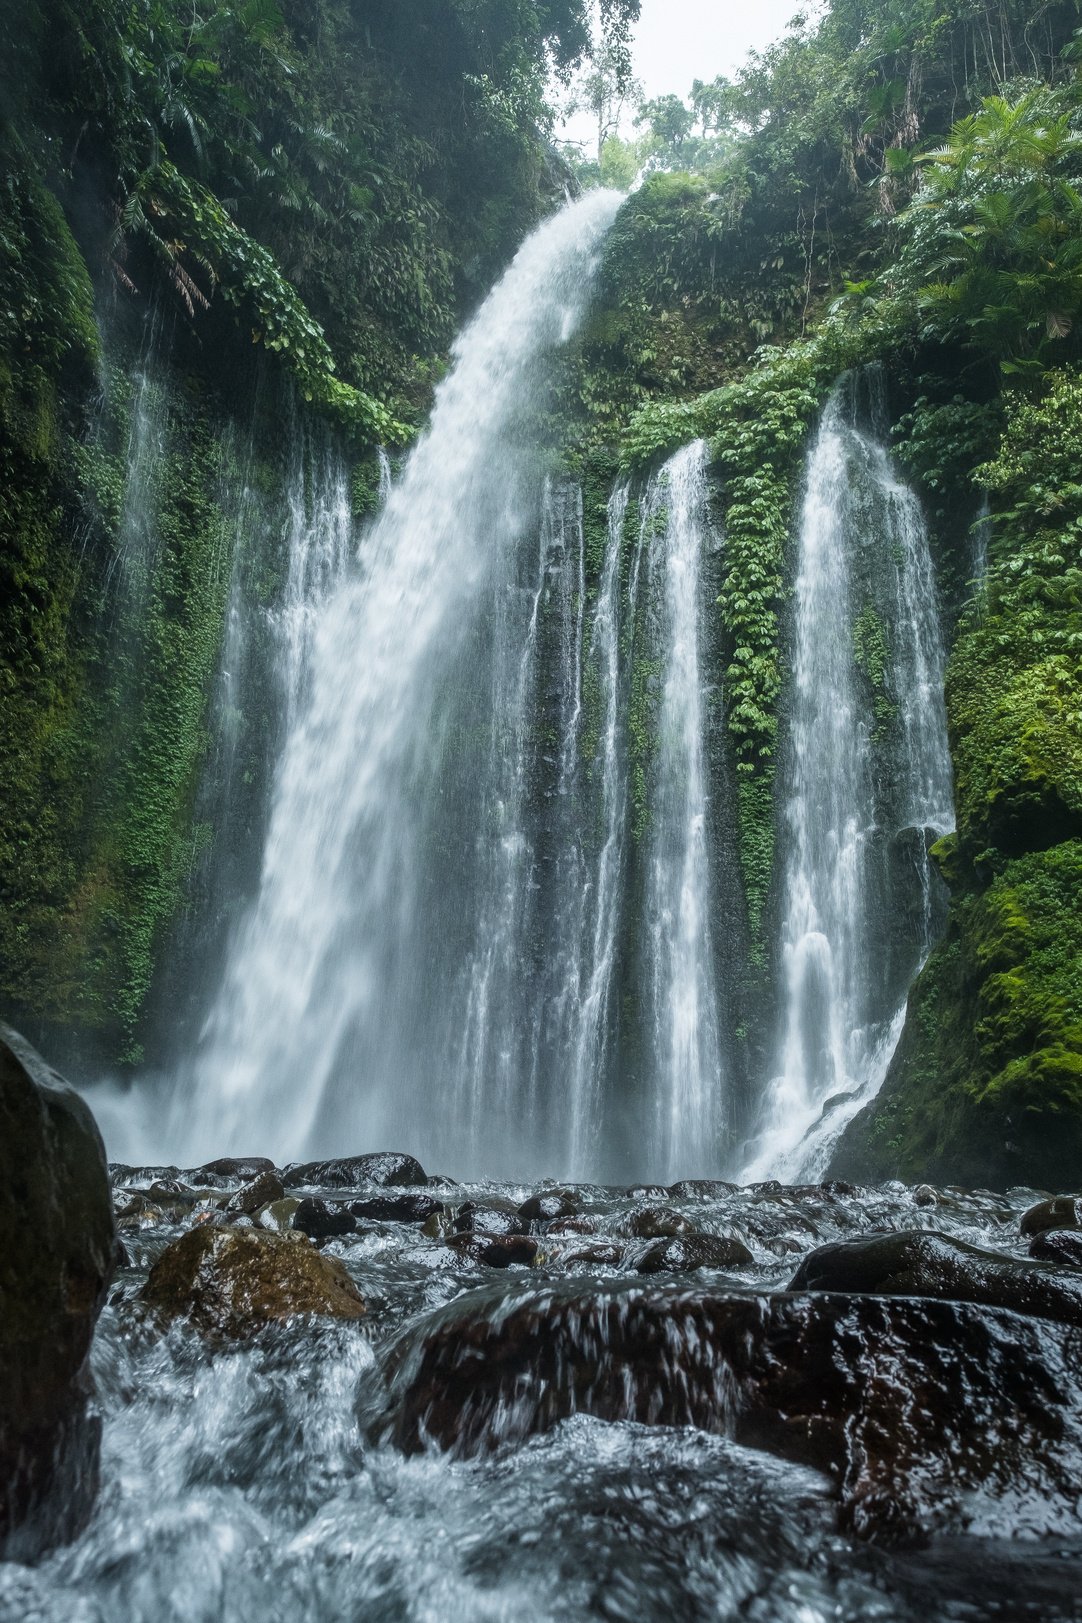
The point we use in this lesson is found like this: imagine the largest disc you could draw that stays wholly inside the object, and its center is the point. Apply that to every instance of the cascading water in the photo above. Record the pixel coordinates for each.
(688, 1083)
(867, 773)
(332, 1017)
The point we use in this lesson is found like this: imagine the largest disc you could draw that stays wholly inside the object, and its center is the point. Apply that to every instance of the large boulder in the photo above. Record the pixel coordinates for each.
(916, 1263)
(233, 1281)
(913, 1407)
(57, 1254)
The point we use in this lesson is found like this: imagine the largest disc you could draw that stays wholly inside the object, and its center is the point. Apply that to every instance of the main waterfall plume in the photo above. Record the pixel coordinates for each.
(329, 1019)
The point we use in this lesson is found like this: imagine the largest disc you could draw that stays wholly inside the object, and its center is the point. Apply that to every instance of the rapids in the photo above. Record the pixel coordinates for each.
(249, 1481)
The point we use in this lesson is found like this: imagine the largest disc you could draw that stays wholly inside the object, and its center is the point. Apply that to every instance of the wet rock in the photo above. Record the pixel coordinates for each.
(231, 1169)
(912, 1406)
(597, 1255)
(321, 1221)
(1064, 1212)
(646, 1191)
(56, 1261)
(915, 1263)
(279, 1214)
(656, 1224)
(496, 1250)
(437, 1225)
(688, 1252)
(702, 1189)
(543, 1208)
(925, 1195)
(395, 1208)
(232, 1281)
(571, 1225)
(170, 1191)
(262, 1191)
(471, 1219)
(1058, 1245)
(385, 1167)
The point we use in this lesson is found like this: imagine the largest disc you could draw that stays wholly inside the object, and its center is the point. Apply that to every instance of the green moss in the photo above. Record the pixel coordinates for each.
(872, 658)
(642, 739)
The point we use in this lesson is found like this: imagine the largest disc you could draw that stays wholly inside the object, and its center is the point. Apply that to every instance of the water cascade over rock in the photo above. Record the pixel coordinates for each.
(498, 917)
(866, 782)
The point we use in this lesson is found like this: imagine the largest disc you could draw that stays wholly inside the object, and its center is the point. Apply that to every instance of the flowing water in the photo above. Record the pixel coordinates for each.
(688, 1076)
(866, 782)
(246, 1481)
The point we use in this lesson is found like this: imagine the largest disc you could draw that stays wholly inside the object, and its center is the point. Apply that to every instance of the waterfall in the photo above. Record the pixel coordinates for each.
(685, 1038)
(337, 1019)
(866, 780)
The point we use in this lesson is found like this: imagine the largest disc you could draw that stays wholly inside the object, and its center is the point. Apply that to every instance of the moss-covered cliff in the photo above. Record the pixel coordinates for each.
(212, 224)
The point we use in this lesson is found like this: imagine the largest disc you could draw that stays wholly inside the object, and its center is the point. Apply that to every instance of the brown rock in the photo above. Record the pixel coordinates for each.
(233, 1281)
(263, 1190)
(654, 1223)
(1064, 1212)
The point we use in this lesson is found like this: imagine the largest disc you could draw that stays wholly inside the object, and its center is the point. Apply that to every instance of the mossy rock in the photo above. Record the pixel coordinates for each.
(233, 1281)
(986, 1084)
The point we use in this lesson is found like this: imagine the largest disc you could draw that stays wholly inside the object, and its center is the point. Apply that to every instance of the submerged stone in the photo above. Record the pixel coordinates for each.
(58, 1257)
(543, 1208)
(1058, 1245)
(384, 1167)
(702, 1189)
(688, 1252)
(654, 1223)
(233, 1281)
(472, 1219)
(915, 1263)
(826, 1381)
(1063, 1212)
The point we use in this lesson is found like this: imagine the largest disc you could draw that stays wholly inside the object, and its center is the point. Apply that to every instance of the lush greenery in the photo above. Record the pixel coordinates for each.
(897, 185)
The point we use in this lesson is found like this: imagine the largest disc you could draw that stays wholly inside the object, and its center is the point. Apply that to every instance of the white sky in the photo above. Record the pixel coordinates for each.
(676, 41)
